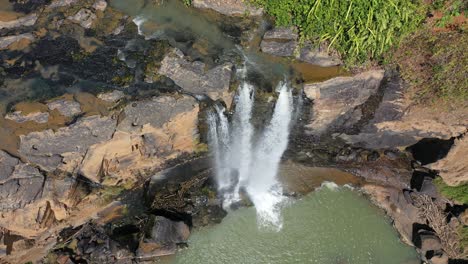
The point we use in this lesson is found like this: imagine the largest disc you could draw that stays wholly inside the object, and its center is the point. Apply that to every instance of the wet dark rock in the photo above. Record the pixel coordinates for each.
(162, 237)
(186, 189)
(111, 97)
(49, 51)
(46, 148)
(92, 244)
(65, 107)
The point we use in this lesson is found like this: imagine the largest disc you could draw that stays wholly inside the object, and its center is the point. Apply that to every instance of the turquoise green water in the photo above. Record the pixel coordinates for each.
(328, 226)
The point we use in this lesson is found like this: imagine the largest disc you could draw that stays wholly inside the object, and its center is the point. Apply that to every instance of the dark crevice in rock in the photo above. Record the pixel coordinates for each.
(418, 178)
(429, 150)
(368, 109)
(173, 215)
(28, 6)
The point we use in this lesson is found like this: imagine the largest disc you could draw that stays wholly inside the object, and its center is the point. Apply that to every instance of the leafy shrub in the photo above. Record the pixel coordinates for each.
(457, 193)
(358, 29)
(435, 64)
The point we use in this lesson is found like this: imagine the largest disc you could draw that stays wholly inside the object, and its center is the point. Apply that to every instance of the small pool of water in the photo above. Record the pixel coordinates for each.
(333, 225)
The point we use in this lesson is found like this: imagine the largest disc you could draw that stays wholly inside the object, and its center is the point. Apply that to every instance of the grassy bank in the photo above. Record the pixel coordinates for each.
(426, 40)
(360, 30)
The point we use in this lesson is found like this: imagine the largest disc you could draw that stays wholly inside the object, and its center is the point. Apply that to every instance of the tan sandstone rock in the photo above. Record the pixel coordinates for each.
(454, 167)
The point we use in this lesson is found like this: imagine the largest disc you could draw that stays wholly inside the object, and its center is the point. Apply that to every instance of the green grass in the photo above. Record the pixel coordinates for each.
(463, 233)
(457, 193)
(358, 29)
(434, 64)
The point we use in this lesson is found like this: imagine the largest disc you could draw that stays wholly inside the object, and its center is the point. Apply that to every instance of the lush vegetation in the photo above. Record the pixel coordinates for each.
(358, 29)
(457, 193)
(433, 60)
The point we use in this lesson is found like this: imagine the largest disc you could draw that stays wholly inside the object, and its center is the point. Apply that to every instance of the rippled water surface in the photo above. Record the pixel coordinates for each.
(329, 226)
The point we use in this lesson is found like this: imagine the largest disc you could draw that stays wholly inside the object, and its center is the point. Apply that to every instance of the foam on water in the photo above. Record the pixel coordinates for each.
(241, 164)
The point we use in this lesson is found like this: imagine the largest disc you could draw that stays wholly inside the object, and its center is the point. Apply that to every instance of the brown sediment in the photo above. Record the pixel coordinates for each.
(312, 73)
(304, 179)
(11, 130)
(6, 11)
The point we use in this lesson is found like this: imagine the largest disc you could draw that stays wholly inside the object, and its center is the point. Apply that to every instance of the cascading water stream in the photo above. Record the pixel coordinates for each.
(241, 164)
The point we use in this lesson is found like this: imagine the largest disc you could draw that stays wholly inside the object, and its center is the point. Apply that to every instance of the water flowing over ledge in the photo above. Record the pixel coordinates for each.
(243, 166)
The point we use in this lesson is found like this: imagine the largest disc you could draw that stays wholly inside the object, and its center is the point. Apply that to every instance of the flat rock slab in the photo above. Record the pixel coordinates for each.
(47, 148)
(25, 21)
(6, 42)
(335, 101)
(111, 97)
(283, 42)
(193, 77)
(454, 167)
(228, 7)
(20, 184)
(65, 107)
(155, 112)
(38, 117)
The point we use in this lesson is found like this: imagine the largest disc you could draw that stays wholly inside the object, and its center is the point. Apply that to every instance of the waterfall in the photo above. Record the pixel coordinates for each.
(240, 163)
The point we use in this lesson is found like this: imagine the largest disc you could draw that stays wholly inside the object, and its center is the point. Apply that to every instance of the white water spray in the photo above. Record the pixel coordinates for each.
(242, 164)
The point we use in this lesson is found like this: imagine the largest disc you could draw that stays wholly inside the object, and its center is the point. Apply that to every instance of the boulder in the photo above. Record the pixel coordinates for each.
(399, 123)
(150, 132)
(167, 232)
(25, 21)
(336, 101)
(282, 42)
(228, 7)
(47, 148)
(192, 77)
(454, 167)
(65, 107)
(7, 42)
(193, 190)
(38, 117)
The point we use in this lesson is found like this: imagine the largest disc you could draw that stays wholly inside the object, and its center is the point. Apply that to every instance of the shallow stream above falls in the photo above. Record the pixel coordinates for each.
(333, 225)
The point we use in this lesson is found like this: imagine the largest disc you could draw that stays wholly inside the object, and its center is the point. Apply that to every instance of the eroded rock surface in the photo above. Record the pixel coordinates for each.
(65, 107)
(39, 117)
(7, 42)
(25, 21)
(454, 167)
(396, 123)
(336, 102)
(20, 184)
(228, 7)
(283, 42)
(47, 148)
(193, 77)
(163, 237)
